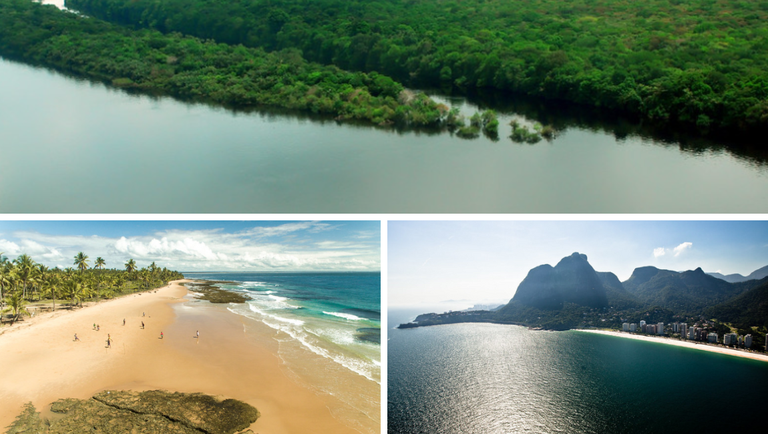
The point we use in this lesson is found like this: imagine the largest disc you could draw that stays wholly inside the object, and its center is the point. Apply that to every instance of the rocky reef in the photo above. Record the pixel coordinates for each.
(213, 293)
(149, 412)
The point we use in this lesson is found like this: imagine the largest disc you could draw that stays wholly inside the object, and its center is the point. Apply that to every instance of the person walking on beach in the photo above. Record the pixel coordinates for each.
(123, 321)
(161, 335)
(76, 338)
(94, 326)
(109, 343)
(142, 325)
(198, 334)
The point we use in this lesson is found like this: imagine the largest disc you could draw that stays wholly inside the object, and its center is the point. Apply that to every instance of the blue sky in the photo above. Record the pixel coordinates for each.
(484, 262)
(201, 245)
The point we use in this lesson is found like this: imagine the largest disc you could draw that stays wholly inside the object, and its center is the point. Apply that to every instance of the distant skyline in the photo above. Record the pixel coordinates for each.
(470, 262)
(200, 245)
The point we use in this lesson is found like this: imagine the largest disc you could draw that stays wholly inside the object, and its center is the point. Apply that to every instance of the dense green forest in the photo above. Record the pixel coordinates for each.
(697, 62)
(192, 68)
(24, 281)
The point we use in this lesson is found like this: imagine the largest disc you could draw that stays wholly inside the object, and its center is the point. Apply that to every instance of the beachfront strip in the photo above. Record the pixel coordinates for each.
(699, 332)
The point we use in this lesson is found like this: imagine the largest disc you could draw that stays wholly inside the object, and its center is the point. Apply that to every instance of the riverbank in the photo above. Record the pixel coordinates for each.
(43, 362)
(680, 343)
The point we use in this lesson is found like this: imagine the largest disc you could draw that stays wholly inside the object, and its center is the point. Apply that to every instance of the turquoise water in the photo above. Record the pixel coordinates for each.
(91, 148)
(334, 315)
(488, 378)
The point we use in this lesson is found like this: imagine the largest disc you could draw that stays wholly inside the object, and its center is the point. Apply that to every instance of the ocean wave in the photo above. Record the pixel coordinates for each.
(294, 328)
(297, 322)
(277, 297)
(345, 316)
(358, 366)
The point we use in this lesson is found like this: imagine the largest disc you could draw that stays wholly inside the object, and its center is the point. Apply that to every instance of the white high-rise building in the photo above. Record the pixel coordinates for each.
(633, 327)
(660, 328)
(625, 327)
(748, 341)
(712, 338)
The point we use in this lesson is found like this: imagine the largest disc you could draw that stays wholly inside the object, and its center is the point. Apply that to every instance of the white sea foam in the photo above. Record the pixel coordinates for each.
(294, 328)
(336, 335)
(297, 322)
(277, 297)
(344, 315)
(358, 366)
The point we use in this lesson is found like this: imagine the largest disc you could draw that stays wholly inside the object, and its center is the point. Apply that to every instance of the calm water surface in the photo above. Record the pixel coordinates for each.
(489, 378)
(68, 145)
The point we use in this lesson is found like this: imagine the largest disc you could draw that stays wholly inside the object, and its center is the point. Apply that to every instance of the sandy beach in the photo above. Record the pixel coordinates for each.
(687, 344)
(42, 362)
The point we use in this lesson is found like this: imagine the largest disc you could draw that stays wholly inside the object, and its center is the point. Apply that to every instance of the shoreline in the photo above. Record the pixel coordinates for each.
(231, 358)
(681, 343)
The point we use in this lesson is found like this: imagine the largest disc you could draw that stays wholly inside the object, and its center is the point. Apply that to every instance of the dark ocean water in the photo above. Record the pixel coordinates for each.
(488, 378)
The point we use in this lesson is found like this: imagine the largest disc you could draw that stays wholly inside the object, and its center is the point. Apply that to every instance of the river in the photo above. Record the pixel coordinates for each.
(69, 145)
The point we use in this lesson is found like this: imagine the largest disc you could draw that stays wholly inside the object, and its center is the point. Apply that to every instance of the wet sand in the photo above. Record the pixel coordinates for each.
(687, 344)
(43, 363)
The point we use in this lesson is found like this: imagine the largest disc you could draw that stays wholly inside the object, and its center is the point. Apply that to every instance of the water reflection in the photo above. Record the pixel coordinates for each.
(145, 153)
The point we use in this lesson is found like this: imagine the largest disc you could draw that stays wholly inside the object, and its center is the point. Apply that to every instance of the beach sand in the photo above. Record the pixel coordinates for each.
(687, 344)
(41, 362)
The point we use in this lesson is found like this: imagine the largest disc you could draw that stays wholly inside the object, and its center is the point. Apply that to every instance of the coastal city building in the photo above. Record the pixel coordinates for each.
(633, 327)
(712, 338)
(660, 328)
(625, 327)
(748, 341)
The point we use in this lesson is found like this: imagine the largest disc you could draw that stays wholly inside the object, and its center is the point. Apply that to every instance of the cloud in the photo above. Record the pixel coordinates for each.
(682, 248)
(677, 251)
(9, 248)
(302, 246)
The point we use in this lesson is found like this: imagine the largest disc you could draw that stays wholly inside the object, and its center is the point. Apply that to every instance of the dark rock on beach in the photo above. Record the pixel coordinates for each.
(368, 334)
(214, 294)
(150, 412)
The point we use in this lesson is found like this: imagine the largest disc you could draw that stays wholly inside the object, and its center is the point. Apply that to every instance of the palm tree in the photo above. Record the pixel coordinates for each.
(24, 264)
(130, 266)
(39, 278)
(5, 278)
(15, 303)
(81, 260)
(99, 263)
(76, 291)
(53, 285)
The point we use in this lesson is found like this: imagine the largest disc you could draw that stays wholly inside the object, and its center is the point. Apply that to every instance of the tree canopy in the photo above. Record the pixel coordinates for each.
(698, 62)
